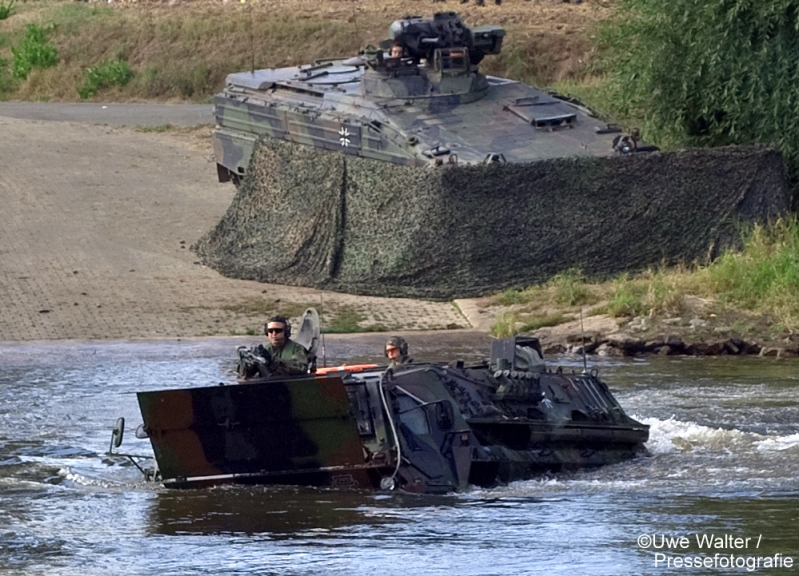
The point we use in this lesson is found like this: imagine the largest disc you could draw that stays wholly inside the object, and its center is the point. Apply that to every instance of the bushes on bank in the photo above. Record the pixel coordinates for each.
(762, 278)
(708, 72)
(104, 75)
(6, 10)
(35, 51)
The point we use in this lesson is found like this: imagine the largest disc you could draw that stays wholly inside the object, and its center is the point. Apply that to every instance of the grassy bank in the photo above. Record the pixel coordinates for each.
(756, 290)
(185, 50)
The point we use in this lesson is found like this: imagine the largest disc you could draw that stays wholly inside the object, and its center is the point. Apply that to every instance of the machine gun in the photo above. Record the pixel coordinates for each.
(253, 361)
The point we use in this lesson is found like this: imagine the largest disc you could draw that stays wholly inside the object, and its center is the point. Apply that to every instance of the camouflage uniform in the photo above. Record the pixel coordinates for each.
(290, 359)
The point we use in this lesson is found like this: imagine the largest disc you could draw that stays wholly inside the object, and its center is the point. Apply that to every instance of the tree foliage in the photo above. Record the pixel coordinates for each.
(708, 72)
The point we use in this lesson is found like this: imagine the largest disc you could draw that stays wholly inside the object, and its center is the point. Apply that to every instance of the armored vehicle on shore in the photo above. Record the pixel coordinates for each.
(425, 428)
(407, 172)
(423, 102)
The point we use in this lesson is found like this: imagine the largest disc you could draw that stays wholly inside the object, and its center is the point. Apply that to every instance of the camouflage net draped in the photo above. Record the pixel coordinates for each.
(306, 217)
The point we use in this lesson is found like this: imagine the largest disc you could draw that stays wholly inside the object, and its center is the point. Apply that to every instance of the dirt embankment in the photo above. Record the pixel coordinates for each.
(701, 328)
(730, 334)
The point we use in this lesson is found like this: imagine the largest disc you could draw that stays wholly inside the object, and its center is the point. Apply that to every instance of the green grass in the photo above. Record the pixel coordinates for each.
(348, 319)
(35, 51)
(764, 276)
(158, 129)
(345, 321)
(510, 323)
(570, 288)
(105, 75)
(761, 278)
(626, 298)
(513, 296)
(183, 54)
(266, 308)
(506, 325)
(6, 10)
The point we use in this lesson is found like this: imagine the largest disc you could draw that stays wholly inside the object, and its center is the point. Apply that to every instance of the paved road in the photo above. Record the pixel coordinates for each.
(146, 115)
(97, 222)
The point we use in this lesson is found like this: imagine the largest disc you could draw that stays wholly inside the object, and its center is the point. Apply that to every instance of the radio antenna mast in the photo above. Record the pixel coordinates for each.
(252, 36)
(321, 331)
(582, 333)
(355, 23)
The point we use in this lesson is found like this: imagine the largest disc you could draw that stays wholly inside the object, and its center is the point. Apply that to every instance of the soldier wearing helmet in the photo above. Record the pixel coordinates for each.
(281, 355)
(284, 356)
(397, 351)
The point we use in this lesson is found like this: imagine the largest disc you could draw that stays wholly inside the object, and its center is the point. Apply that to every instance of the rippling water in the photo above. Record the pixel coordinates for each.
(724, 460)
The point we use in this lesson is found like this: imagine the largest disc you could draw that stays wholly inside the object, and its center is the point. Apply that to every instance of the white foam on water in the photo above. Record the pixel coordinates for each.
(778, 443)
(672, 435)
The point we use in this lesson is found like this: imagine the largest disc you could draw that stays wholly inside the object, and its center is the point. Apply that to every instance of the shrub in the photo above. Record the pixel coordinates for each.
(708, 72)
(626, 298)
(513, 296)
(104, 75)
(7, 82)
(765, 274)
(6, 10)
(505, 325)
(570, 288)
(34, 52)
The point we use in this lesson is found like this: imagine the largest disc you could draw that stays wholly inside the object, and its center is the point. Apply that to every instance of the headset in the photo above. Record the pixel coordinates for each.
(397, 342)
(283, 320)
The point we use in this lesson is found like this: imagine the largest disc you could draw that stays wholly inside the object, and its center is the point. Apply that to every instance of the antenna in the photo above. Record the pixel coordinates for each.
(355, 23)
(252, 37)
(321, 331)
(582, 333)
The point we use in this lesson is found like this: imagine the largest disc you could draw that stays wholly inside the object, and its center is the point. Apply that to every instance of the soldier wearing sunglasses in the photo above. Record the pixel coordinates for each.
(283, 355)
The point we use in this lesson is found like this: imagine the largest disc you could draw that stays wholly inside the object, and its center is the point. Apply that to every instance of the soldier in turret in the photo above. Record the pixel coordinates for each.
(397, 50)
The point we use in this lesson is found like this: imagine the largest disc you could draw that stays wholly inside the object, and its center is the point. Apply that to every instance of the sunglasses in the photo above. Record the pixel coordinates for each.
(274, 330)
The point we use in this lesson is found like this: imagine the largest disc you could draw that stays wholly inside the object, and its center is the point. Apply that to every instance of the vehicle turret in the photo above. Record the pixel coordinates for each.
(418, 99)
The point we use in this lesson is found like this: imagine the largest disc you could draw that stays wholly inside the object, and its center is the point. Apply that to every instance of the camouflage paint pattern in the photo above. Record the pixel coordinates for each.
(511, 122)
(362, 226)
(290, 431)
(449, 426)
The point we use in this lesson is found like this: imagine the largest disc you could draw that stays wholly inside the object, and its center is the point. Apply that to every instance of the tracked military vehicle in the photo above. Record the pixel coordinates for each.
(407, 172)
(428, 428)
(422, 102)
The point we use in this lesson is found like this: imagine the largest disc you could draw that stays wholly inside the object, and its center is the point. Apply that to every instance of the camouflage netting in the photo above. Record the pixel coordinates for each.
(311, 218)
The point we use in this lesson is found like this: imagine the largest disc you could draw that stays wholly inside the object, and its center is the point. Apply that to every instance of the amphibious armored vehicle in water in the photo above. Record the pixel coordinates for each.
(427, 427)
(422, 102)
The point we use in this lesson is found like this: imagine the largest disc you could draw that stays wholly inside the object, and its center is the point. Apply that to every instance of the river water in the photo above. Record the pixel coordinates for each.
(721, 486)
